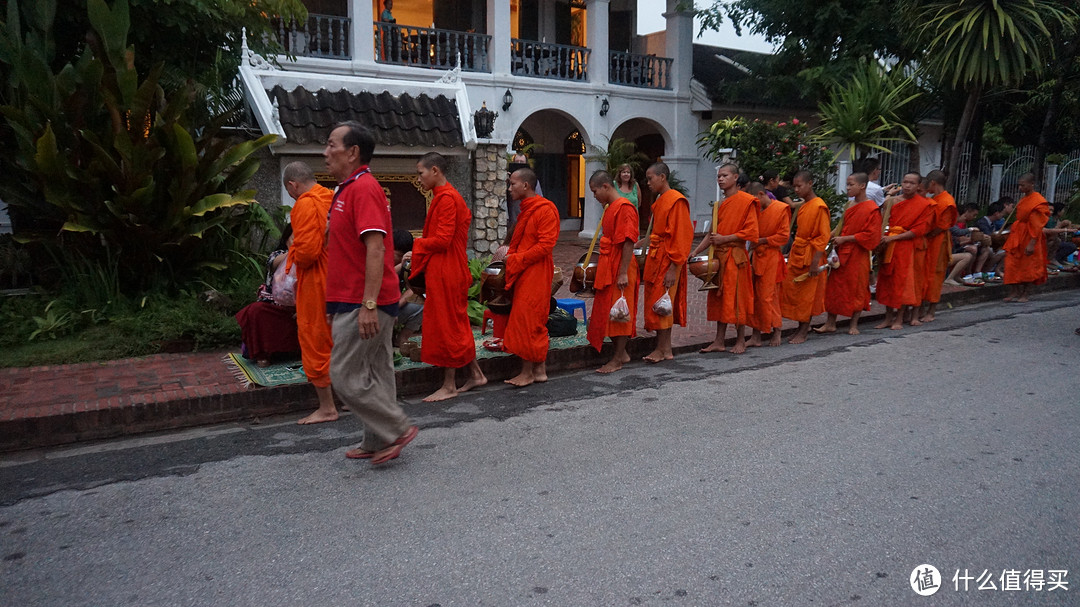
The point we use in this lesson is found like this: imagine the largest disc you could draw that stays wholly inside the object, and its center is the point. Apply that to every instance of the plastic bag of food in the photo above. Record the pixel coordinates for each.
(620, 310)
(663, 306)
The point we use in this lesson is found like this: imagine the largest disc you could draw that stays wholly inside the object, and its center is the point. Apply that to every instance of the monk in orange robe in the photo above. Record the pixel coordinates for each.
(616, 272)
(529, 268)
(665, 265)
(938, 244)
(774, 224)
(736, 225)
(909, 219)
(1025, 250)
(920, 262)
(440, 255)
(847, 290)
(803, 294)
(308, 254)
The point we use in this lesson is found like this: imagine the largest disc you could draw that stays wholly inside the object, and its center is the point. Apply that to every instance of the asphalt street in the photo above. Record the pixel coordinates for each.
(820, 474)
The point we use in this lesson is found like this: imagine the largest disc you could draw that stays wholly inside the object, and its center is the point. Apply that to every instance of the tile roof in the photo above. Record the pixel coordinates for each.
(733, 76)
(307, 116)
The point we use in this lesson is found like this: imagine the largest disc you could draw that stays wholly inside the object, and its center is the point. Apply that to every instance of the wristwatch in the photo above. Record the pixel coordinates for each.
(370, 304)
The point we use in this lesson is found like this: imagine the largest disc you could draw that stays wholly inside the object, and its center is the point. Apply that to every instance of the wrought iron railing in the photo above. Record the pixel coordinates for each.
(430, 47)
(322, 36)
(646, 71)
(544, 60)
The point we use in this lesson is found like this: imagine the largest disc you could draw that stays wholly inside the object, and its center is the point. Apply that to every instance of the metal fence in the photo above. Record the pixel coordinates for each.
(1068, 177)
(894, 165)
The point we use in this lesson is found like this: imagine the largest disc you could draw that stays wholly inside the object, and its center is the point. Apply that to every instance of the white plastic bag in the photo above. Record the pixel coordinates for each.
(663, 306)
(284, 291)
(620, 310)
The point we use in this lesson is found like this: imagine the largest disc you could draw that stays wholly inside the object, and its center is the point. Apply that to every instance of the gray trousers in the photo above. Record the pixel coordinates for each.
(362, 373)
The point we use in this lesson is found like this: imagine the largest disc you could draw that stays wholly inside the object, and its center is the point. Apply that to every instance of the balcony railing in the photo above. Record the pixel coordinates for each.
(322, 36)
(430, 47)
(544, 60)
(646, 71)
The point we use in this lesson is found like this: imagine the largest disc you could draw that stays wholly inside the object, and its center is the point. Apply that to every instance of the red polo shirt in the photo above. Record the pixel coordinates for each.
(359, 206)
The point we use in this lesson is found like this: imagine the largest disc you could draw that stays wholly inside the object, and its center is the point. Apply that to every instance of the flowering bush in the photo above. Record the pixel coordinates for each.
(785, 147)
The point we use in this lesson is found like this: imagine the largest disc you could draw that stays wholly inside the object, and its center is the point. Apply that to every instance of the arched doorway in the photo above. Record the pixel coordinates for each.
(556, 154)
(649, 141)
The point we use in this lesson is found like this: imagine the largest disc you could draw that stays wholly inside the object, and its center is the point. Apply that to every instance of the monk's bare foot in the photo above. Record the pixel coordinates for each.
(915, 322)
(540, 377)
(825, 329)
(473, 382)
(521, 380)
(318, 417)
(656, 356)
(441, 394)
(797, 339)
(775, 340)
(927, 318)
(753, 342)
(883, 325)
(1009, 299)
(614, 364)
(713, 347)
(739, 347)
(896, 326)
(1022, 299)
(853, 331)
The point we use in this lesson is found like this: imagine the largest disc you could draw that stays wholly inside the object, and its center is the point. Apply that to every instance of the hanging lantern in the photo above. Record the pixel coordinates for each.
(484, 120)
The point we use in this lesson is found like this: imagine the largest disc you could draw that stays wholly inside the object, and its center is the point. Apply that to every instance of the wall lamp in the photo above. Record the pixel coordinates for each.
(508, 100)
(604, 107)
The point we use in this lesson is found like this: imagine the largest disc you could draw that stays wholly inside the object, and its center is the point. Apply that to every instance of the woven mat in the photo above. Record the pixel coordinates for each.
(557, 343)
(277, 374)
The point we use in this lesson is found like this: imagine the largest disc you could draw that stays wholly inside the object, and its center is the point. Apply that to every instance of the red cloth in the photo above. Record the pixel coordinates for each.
(848, 288)
(308, 252)
(267, 329)
(440, 253)
(803, 300)
(359, 206)
(774, 224)
(1032, 213)
(620, 225)
(669, 244)
(939, 247)
(896, 284)
(733, 302)
(529, 270)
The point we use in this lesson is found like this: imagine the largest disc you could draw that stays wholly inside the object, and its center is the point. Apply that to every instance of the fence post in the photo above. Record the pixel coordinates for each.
(996, 173)
(843, 170)
(1051, 182)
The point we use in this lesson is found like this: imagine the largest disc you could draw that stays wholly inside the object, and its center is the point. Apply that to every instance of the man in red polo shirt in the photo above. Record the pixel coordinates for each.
(362, 296)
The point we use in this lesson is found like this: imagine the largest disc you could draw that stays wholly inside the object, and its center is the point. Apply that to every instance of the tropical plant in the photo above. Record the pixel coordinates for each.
(618, 152)
(101, 164)
(477, 266)
(863, 112)
(976, 44)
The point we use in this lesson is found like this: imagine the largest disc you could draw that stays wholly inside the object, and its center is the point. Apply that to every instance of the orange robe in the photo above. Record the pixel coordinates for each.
(620, 225)
(440, 253)
(920, 263)
(733, 302)
(529, 268)
(669, 244)
(308, 252)
(896, 284)
(774, 224)
(1032, 213)
(939, 248)
(803, 300)
(848, 287)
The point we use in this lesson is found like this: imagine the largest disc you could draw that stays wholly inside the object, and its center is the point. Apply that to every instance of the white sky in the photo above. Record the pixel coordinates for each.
(650, 15)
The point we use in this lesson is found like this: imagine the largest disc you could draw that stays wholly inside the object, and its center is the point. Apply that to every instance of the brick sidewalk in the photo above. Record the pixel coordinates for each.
(65, 403)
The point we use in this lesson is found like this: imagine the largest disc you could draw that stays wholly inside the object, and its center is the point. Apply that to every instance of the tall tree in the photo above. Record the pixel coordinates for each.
(977, 44)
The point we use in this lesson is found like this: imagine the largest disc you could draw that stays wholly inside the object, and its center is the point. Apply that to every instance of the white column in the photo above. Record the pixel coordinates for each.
(361, 35)
(596, 15)
(592, 211)
(843, 171)
(680, 45)
(498, 27)
(996, 172)
(1051, 182)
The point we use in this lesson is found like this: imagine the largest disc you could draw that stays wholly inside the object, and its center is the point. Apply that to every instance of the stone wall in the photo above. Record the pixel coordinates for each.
(489, 199)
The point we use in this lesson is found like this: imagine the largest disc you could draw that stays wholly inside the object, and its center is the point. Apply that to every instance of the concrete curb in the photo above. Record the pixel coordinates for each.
(129, 415)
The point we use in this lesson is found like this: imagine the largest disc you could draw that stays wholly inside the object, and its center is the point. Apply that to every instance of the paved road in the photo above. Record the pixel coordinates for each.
(814, 475)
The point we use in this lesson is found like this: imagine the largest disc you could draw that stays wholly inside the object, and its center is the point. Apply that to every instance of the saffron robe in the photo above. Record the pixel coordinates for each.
(920, 264)
(801, 301)
(669, 244)
(847, 289)
(939, 247)
(619, 225)
(308, 254)
(529, 269)
(1032, 213)
(774, 224)
(440, 254)
(733, 302)
(896, 285)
